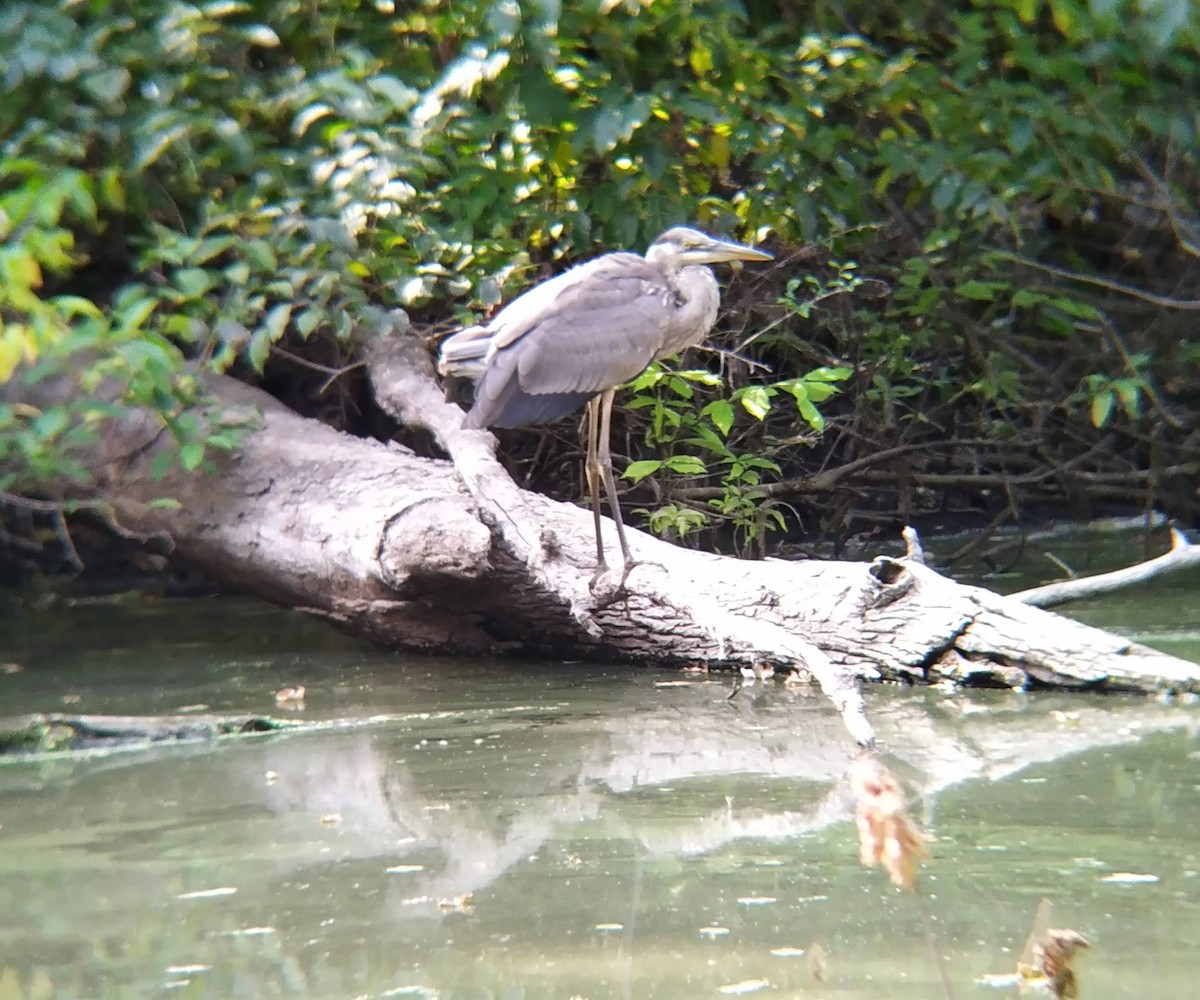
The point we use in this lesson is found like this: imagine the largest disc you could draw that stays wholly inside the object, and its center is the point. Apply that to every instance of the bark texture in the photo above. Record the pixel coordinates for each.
(450, 555)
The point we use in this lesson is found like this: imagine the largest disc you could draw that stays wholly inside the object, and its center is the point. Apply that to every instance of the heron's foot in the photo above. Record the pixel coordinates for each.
(608, 583)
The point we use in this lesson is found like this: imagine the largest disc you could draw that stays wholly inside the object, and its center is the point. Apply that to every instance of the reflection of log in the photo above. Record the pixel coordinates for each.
(1182, 555)
(236, 862)
(349, 787)
(427, 553)
(42, 733)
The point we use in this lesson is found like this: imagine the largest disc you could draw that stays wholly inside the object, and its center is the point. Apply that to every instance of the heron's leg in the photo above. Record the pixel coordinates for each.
(610, 483)
(592, 470)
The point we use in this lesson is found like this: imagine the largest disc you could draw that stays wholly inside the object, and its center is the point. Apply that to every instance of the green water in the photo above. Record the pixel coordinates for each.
(501, 830)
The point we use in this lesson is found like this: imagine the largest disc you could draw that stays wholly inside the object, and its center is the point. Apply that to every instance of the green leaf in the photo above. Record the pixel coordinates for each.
(398, 94)
(680, 387)
(1073, 307)
(701, 376)
(313, 113)
(107, 85)
(259, 349)
(982, 291)
(51, 422)
(276, 320)
(755, 400)
(191, 455)
(818, 392)
(637, 471)
(945, 191)
(261, 35)
(1129, 392)
(194, 282)
(161, 465)
(307, 321)
(836, 373)
(720, 412)
(1102, 406)
(708, 439)
(260, 255)
(811, 414)
(686, 465)
(158, 143)
(650, 377)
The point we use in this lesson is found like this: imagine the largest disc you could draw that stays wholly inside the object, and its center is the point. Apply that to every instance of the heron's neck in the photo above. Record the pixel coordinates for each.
(697, 299)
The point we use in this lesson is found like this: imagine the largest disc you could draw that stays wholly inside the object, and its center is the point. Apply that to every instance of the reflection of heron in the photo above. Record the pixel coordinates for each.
(577, 337)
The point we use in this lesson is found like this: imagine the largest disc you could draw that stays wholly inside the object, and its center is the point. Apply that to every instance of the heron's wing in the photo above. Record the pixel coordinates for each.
(466, 352)
(533, 305)
(598, 332)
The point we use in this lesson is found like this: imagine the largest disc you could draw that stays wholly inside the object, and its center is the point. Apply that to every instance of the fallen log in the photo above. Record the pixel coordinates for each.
(452, 556)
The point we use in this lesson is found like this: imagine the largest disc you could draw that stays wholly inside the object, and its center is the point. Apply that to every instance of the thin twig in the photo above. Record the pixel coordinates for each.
(1163, 301)
(333, 373)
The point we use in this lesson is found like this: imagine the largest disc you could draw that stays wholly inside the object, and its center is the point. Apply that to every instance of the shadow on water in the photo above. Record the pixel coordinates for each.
(505, 830)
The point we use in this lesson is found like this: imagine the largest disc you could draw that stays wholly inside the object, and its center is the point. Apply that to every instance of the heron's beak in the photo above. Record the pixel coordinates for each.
(716, 251)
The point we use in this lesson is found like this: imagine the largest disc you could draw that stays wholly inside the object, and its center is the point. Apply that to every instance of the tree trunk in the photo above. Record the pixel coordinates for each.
(450, 555)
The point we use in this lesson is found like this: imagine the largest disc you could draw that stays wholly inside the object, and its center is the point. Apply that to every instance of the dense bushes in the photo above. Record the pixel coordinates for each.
(255, 186)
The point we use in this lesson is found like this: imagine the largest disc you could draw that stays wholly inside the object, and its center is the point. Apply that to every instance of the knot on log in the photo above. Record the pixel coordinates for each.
(887, 570)
(434, 536)
(896, 580)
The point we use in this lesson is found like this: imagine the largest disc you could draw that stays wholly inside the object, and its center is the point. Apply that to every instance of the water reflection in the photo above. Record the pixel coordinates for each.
(512, 832)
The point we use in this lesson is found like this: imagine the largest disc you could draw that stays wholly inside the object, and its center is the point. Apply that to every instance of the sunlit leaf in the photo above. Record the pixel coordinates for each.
(686, 465)
(810, 413)
(259, 349)
(193, 281)
(720, 412)
(756, 401)
(680, 387)
(637, 471)
(11, 351)
(397, 93)
(983, 291)
(261, 35)
(1102, 407)
(313, 113)
(158, 143)
(191, 454)
(277, 319)
(1129, 393)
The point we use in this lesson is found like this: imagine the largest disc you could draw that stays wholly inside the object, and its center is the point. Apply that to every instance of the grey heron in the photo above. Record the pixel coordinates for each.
(574, 339)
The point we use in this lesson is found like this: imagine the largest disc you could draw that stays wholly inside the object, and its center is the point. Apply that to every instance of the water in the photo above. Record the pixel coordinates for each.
(465, 830)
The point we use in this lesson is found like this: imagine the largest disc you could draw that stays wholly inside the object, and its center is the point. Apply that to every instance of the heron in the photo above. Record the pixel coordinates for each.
(576, 338)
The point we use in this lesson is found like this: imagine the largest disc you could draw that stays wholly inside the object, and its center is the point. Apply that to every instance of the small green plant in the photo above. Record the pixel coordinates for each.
(693, 432)
(1104, 394)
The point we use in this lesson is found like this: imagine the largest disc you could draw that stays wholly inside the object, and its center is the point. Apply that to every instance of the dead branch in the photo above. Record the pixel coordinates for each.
(1182, 555)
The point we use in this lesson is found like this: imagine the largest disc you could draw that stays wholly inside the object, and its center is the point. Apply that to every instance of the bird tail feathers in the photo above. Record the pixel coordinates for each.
(464, 354)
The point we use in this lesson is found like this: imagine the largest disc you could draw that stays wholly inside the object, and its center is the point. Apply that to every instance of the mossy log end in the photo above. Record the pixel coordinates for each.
(57, 732)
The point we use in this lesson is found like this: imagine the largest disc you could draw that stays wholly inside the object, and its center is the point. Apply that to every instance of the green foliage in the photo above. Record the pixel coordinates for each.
(68, 336)
(694, 434)
(196, 183)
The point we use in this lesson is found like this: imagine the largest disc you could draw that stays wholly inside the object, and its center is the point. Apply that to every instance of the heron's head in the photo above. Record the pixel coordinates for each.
(682, 245)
